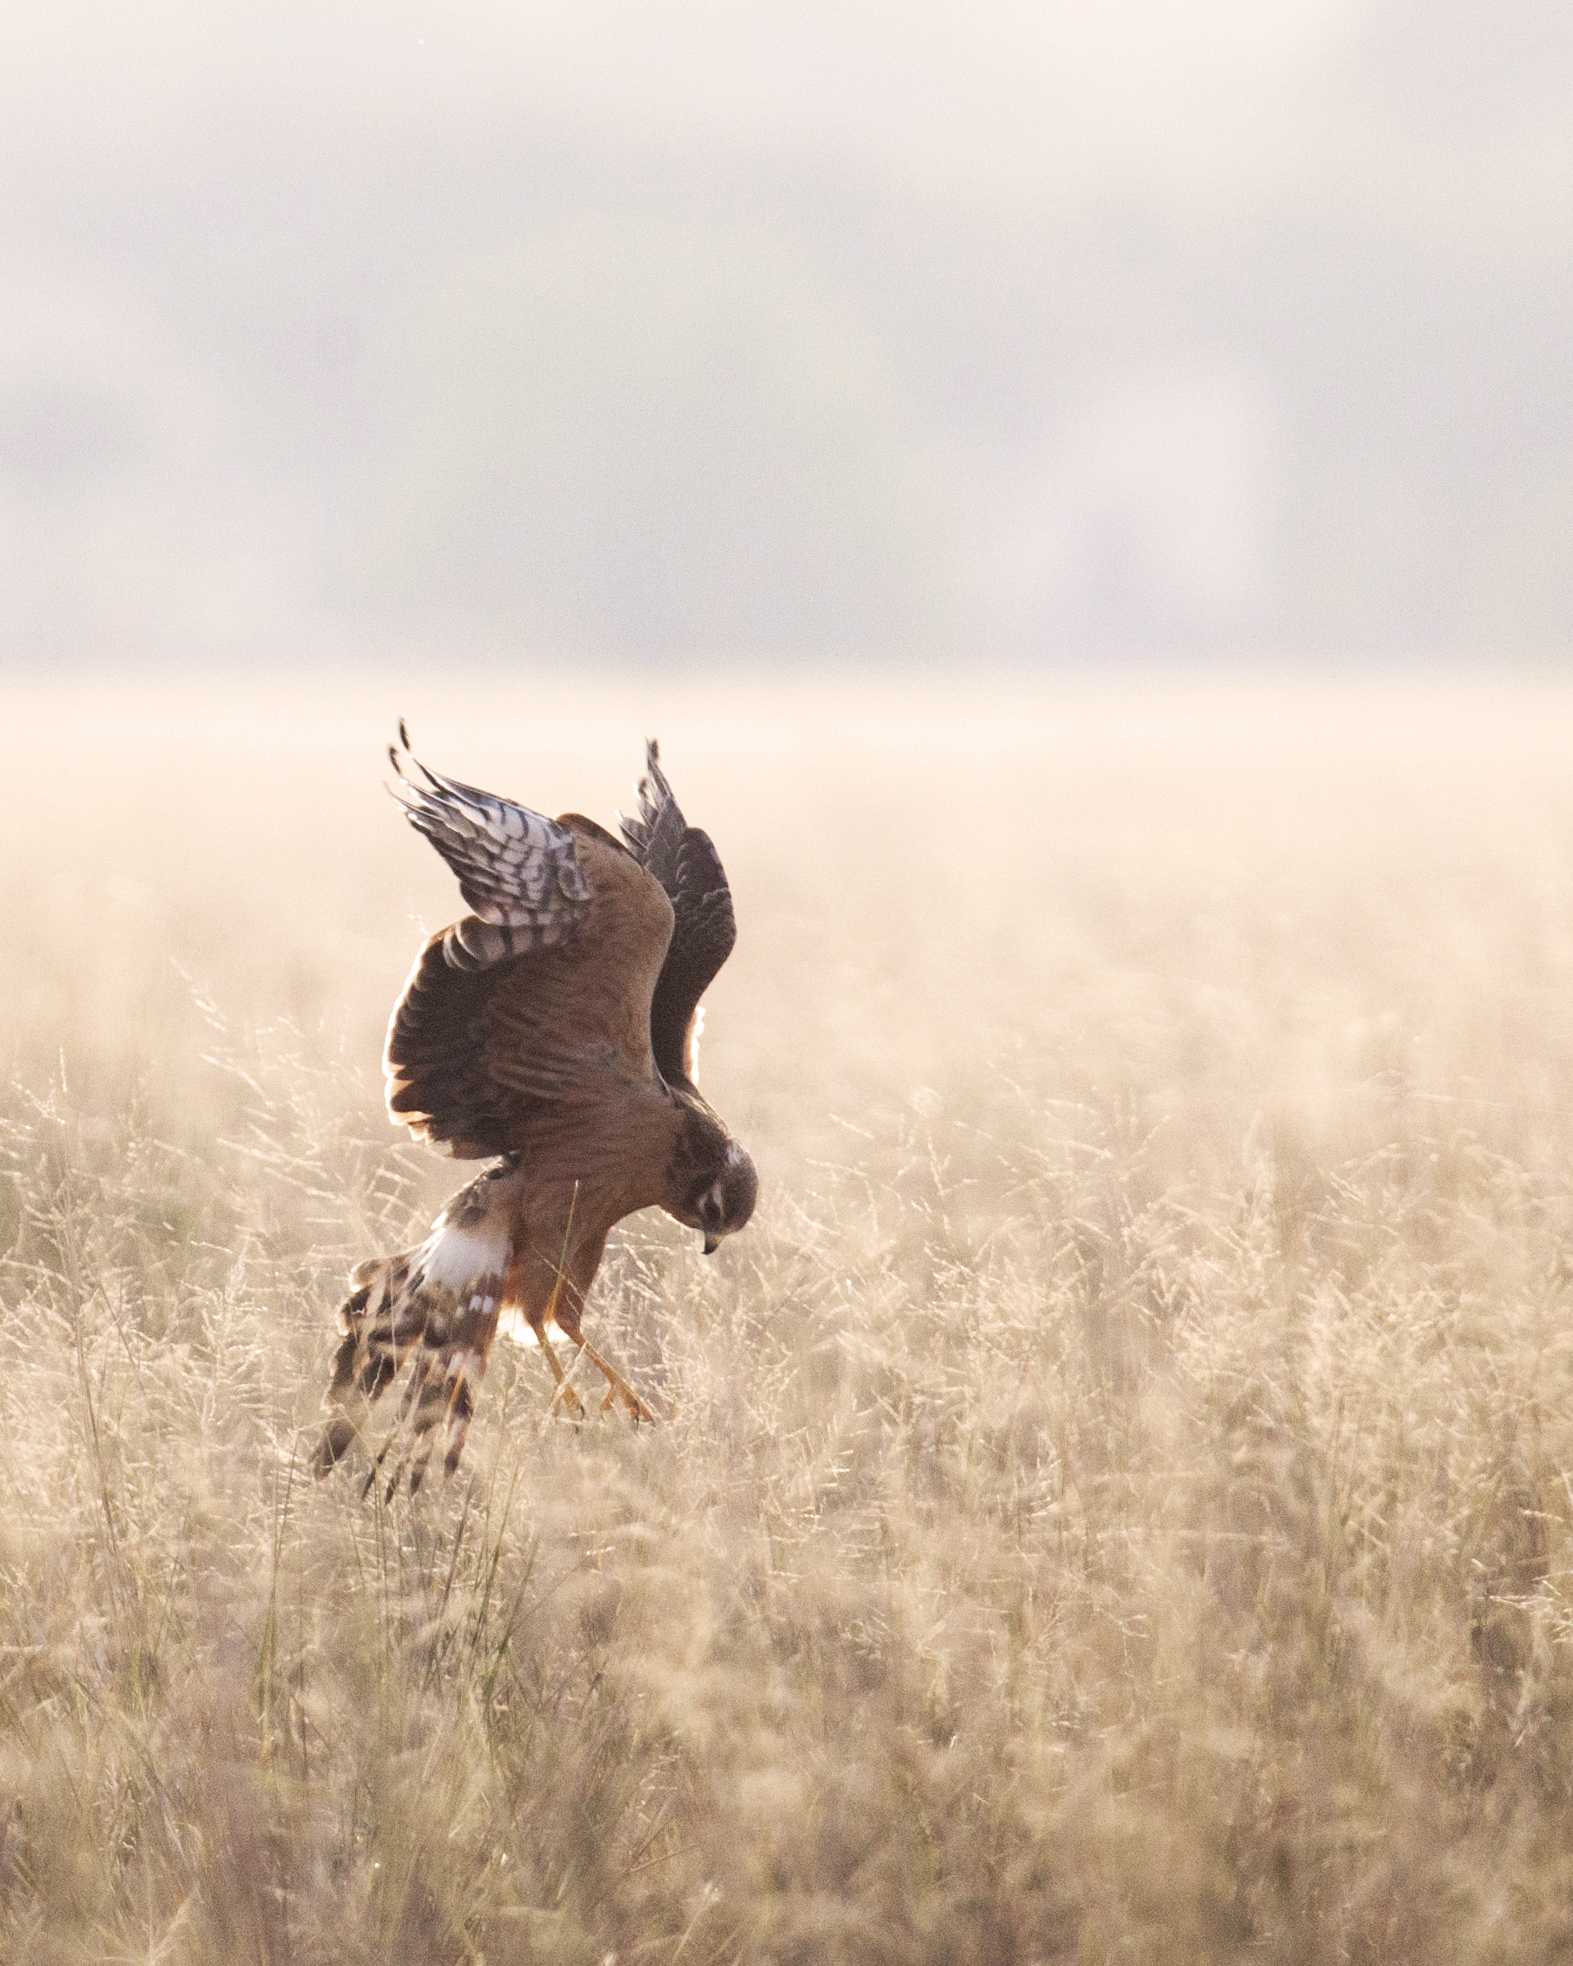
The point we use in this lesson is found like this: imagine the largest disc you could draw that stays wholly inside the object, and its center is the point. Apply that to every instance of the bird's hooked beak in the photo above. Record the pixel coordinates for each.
(712, 1244)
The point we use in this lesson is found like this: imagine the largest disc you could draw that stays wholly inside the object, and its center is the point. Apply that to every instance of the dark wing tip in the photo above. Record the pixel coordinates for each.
(654, 791)
(434, 779)
(401, 752)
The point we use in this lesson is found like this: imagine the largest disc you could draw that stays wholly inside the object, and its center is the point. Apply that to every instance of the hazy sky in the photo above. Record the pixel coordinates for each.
(690, 333)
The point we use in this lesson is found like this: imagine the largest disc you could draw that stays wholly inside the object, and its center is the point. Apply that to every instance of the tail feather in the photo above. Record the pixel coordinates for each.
(436, 1308)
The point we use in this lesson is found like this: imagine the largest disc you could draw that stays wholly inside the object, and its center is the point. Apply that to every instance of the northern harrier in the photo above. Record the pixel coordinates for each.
(554, 1031)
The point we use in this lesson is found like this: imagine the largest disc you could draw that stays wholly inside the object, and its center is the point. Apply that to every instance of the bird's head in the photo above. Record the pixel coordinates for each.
(716, 1195)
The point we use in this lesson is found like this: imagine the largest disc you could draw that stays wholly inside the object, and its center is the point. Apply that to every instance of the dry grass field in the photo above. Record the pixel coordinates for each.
(1115, 1499)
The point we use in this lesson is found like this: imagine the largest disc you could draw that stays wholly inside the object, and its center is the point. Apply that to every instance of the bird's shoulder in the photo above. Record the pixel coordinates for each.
(625, 897)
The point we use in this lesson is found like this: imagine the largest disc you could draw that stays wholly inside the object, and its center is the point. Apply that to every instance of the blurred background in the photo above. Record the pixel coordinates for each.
(714, 337)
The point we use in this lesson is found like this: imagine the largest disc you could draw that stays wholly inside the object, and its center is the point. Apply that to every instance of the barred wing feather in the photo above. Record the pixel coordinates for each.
(517, 869)
(535, 1010)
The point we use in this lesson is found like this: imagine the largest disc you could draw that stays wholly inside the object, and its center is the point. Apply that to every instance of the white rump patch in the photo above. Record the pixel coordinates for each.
(515, 1325)
(455, 1257)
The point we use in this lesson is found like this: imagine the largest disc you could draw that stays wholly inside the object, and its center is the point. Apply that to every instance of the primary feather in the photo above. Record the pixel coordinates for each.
(684, 860)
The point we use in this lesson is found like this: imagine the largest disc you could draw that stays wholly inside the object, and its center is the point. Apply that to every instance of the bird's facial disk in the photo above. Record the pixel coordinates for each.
(722, 1205)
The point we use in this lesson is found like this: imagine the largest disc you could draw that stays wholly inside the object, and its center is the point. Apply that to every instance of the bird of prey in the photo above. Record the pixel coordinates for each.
(553, 1031)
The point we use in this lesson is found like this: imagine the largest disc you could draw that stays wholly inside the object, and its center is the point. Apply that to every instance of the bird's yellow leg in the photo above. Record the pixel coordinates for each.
(564, 1395)
(617, 1387)
(563, 1310)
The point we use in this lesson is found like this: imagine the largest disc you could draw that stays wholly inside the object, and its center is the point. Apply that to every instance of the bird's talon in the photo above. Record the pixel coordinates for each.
(569, 1400)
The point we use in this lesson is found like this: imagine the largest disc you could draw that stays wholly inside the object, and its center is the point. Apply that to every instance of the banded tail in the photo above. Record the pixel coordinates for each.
(436, 1306)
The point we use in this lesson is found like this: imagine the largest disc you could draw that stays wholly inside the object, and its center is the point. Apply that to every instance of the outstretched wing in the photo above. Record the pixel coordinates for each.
(517, 869)
(684, 860)
(534, 1012)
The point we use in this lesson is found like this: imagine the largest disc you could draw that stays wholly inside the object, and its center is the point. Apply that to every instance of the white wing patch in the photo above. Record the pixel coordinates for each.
(696, 1026)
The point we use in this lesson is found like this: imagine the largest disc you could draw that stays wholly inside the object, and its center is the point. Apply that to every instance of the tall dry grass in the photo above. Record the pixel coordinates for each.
(1115, 1500)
